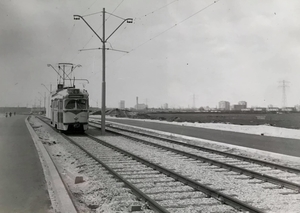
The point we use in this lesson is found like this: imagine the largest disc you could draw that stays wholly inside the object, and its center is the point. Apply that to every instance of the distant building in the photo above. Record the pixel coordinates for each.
(207, 108)
(288, 109)
(224, 105)
(243, 103)
(238, 107)
(122, 104)
(273, 109)
(140, 106)
(166, 106)
(259, 109)
(246, 110)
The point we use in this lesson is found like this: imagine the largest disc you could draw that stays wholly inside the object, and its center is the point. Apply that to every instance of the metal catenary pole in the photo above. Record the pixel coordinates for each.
(103, 40)
(103, 78)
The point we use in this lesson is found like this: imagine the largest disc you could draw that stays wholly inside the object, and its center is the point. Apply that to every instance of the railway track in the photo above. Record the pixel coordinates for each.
(88, 154)
(212, 151)
(282, 178)
(155, 180)
(257, 168)
(162, 189)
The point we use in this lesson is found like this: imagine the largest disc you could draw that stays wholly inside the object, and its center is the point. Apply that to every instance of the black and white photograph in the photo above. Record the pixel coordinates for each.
(149, 106)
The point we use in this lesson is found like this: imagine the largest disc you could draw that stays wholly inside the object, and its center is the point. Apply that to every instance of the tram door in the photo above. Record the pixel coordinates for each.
(52, 112)
(60, 113)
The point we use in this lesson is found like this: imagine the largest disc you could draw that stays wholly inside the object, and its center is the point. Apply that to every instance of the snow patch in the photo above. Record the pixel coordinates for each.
(266, 130)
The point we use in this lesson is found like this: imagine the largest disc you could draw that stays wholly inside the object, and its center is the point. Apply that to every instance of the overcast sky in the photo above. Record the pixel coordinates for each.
(228, 50)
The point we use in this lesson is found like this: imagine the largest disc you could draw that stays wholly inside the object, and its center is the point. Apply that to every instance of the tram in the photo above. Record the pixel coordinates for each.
(70, 109)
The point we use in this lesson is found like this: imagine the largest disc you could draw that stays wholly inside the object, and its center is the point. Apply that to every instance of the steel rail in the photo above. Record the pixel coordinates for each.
(138, 193)
(251, 174)
(248, 159)
(187, 181)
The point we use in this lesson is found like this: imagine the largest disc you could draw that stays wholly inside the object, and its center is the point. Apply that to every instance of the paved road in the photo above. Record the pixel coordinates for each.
(266, 143)
(22, 182)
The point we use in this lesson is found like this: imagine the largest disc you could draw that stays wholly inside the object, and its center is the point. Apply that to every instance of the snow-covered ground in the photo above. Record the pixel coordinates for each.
(249, 129)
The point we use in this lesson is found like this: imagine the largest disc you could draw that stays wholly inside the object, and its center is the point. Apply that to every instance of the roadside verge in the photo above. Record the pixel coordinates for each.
(60, 199)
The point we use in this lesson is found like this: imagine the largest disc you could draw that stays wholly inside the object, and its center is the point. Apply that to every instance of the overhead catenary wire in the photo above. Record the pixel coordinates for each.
(114, 16)
(90, 6)
(92, 14)
(175, 25)
(72, 30)
(162, 32)
(166, 30)
(118, 6)
(68, 42)
(110, 14)
(158, 9)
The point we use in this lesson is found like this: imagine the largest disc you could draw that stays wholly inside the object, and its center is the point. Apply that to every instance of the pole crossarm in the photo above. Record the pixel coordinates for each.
(123, 51)
(77, 17)
(128, 20)
(99, 48)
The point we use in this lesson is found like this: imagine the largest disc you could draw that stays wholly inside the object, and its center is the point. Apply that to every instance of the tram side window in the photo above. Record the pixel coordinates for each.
(60, 104)
(70, 104)
(81, 104)
(54, 103)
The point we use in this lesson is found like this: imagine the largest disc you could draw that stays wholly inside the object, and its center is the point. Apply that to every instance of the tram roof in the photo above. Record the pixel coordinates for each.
(70, 93)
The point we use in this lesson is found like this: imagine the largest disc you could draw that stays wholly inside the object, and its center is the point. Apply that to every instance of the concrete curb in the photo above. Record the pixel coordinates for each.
(60, 199)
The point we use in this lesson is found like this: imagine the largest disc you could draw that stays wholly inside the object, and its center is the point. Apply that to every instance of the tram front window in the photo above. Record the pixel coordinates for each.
(76, 104)
(81, 104)
(70, 104)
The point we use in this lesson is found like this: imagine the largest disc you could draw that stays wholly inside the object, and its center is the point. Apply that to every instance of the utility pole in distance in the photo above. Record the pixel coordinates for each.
(104, 40)
(284, 85)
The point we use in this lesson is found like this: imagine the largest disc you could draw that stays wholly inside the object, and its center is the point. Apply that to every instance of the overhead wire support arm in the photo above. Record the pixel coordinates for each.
(117, 50)
(77, 17)
(99, 48)
(129, 20)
